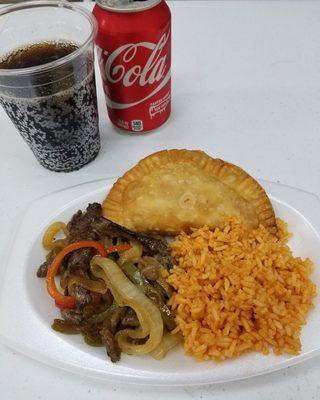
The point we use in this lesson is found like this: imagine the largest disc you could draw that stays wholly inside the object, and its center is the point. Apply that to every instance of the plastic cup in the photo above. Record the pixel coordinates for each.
(53, 105)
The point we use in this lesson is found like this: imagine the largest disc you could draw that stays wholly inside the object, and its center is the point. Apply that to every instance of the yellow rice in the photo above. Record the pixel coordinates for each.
(236, 291)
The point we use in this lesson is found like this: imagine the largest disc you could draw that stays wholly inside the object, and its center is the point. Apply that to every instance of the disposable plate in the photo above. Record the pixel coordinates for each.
(26, 311)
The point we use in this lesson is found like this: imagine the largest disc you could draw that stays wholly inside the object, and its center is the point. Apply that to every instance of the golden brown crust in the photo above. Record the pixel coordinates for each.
(164, 173)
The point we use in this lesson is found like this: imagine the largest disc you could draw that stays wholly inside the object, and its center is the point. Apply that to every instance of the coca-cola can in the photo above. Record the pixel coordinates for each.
(134, 52)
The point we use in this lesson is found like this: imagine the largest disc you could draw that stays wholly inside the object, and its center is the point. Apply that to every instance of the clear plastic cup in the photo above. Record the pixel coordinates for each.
(53, 105)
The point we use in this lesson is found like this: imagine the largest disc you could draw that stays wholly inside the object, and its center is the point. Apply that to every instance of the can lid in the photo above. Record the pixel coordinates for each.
(127, 6)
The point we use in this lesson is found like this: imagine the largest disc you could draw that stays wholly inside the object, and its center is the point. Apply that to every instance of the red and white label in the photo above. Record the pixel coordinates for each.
(137, 82)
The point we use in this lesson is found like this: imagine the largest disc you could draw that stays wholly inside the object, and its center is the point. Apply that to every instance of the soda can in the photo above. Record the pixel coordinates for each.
(134, 52)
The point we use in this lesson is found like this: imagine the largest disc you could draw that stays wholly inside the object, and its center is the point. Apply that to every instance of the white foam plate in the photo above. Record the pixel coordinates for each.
(26, 311)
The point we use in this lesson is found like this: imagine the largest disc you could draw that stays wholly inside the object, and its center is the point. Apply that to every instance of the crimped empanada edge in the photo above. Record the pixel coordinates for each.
(248, 188)
(245, 185)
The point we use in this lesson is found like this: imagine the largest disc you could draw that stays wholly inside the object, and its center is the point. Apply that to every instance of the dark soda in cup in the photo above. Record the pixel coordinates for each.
(47, 85)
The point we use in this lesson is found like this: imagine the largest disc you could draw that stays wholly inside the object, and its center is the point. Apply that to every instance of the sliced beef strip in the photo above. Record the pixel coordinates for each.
(94, 210)
(80, 228)
(112, 347)
(81, 294)
(154, 246)
(130, 319)
(88, 311)
(43, 269)
(79, 260)
(107, 297)
(80, 225)
(72, 316)
(112, 322)
(91, 329)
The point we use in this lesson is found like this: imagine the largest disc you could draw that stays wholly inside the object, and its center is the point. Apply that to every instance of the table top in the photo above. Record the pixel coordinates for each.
(246, 88)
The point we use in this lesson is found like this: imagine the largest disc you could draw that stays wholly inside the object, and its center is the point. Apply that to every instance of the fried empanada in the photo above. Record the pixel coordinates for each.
(174, 190)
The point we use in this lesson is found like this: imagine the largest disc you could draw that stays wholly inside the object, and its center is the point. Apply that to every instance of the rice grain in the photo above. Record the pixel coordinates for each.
(239, 291)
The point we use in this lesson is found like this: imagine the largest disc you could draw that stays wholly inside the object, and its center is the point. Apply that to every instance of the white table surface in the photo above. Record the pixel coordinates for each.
(246, 88)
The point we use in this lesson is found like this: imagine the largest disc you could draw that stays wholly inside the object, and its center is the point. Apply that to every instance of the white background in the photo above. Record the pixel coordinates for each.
(246, 88)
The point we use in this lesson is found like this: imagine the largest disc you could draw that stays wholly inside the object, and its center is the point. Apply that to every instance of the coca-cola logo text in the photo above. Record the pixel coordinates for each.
(119, 64)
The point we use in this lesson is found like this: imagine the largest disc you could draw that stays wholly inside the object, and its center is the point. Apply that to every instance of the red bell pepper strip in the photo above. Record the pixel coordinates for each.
(69, 302)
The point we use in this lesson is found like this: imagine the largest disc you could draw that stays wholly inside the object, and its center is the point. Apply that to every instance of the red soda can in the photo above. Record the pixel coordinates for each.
(134, 52)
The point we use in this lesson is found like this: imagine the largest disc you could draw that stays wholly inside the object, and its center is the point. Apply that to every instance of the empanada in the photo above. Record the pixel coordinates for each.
(174, 190)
